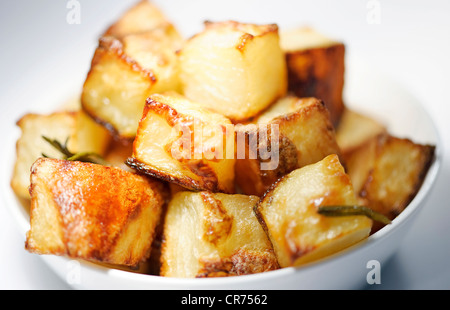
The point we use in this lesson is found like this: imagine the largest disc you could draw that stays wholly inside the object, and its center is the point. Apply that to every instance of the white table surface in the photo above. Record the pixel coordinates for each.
(411, 43)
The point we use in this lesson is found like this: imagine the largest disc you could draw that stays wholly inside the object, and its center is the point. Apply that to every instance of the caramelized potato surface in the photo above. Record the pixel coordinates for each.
(214, 235)
(316, 66)
(92, 212)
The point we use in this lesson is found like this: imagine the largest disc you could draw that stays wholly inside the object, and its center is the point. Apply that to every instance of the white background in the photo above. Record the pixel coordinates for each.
(411, 44)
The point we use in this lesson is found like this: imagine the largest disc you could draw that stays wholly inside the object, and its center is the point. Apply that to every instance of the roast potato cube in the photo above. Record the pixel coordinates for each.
(125, 72)
(316, 66)
(235, 69)
(355, 129)
(387, 172)
(214, 235)
(305, 136)
(288, 212)
(306, 122)
(181, 142)
(115, 89)
(82, 133)
(141, 17)
(92, 212)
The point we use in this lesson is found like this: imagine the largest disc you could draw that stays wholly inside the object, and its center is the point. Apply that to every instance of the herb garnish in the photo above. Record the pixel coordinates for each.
(89, 157)
(353, 210)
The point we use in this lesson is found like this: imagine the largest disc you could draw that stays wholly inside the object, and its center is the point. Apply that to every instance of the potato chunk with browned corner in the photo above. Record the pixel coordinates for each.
(316, 65)
(387, 172)
(181, 142)
(125, 72)
(92, 212)
(81, 133)
(299, 132)
(235, 69)
(214, 235)
(289, 214)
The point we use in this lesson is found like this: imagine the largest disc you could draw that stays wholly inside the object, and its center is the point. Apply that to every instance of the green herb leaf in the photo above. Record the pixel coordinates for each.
(60, 147)
(353, 210)
(90, 157)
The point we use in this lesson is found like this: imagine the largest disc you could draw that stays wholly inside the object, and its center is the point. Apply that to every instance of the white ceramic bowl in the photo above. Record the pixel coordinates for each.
(366, 91)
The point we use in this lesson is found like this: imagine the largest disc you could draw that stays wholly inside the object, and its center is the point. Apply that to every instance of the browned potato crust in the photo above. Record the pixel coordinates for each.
(316, 66)
(388, 171)
(92, 212)
(214, 235)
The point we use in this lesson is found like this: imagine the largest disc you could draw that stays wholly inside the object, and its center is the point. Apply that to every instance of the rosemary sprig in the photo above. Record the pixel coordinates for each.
(353, 210)
(60, 147)
(89, 157)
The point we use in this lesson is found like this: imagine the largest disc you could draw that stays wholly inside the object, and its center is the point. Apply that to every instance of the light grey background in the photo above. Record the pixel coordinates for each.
(411, 44)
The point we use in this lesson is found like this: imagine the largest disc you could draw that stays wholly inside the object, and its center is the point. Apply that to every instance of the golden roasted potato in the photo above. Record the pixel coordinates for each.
(388, 171)
(92, 212)
(82, 133)
(139, 18)
(125, 72)
(289, 213)
(214, 235)
(316, 66)
(235, 69)
(181, 142)
(305, 135)
(355, 129)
